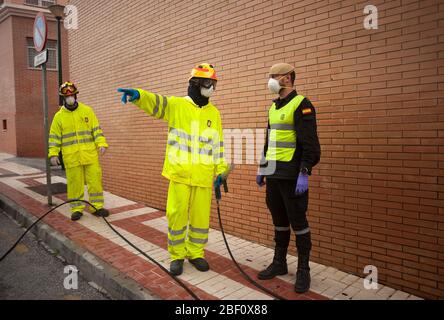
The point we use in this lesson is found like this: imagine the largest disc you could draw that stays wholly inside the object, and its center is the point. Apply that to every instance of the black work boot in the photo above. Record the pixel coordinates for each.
(76, 215)
(101, 213)
(200, 264)
(303, 278)
(176, 267)
(278, 267)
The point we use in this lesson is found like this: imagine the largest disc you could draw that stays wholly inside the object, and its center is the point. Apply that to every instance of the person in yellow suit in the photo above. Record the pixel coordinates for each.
(75, 131)
(194, 158)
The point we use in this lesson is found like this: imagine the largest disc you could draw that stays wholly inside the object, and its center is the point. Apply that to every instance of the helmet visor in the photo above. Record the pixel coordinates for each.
(205, 83)
(68, 90)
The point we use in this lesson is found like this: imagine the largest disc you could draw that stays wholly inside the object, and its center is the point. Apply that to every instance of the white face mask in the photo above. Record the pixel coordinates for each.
(207, 92)
(274, 86)
(70, 101)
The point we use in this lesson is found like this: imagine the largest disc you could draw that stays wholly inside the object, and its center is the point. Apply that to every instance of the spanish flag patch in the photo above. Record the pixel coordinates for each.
(306, 111)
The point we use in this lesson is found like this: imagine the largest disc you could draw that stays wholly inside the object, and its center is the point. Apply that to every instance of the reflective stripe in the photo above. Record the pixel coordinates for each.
(281, 144)
(176, 232)
(205, 140)
(179, 146)
(100, 194)
(175, 242)
(69, 135)
(51, 136)
(219, 155)
(206, 152)
(99, 135)
(196, 240)
(86, 140)
(82, 133)
(76, 204)
(199, 230)
(65, 144)
(298, 233)
(282, 228)
(96, 128)
(156, 109)
(188, 148)
(282, 126)
(165, 102)
(53, 144)
(96, 201)
(188, 137)
(181, 134)
(218, 145)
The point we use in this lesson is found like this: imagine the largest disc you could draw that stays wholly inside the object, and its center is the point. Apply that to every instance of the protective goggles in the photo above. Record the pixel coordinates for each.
(68, 90)
(206, 83)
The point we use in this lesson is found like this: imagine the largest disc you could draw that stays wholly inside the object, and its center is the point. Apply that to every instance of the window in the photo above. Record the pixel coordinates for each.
(51, 45)
(40, 3)
(5, 125)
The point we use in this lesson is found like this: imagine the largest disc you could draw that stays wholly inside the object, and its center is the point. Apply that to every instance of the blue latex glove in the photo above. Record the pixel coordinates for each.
(302, 184)
(260, 180)
(131, 93)
(219, 181)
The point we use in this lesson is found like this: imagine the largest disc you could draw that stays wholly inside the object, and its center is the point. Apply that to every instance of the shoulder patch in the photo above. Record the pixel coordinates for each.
(307, 111)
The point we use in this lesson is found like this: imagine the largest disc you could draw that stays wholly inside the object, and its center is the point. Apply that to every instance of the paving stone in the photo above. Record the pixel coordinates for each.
(151, 239)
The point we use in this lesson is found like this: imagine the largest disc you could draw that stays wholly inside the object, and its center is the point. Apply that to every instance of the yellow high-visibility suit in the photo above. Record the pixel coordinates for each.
(194, 157)
(78, 134)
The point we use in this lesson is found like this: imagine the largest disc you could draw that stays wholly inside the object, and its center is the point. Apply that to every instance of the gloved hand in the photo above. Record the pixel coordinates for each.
(102, 151)
(260, 180)
(55, 161)
(131, 93)
(219, 181)
(302, 184)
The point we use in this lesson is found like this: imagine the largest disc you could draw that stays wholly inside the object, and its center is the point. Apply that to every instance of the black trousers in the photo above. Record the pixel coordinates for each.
(287, 210)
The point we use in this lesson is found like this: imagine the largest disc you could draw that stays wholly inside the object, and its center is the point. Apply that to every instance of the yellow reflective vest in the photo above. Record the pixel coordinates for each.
(195, 147)
(77, 134)
(282, 136)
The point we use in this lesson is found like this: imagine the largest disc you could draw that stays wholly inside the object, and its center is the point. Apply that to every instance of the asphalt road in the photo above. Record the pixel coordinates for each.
(31, 272)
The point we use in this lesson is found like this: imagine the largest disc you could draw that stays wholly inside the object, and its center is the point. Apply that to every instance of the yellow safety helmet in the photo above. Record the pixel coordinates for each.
(204, 71)
(68, 89)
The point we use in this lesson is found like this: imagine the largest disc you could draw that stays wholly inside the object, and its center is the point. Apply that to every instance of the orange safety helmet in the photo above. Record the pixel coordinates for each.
(204, 71)
(68, 89)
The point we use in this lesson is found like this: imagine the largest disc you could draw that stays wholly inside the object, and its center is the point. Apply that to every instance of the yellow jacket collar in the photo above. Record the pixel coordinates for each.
(194, 104)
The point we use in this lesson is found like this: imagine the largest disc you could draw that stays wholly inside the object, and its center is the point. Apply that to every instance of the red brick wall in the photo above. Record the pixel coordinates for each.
(376, 197)
(21, 94)
(28, 86)
(7, 94)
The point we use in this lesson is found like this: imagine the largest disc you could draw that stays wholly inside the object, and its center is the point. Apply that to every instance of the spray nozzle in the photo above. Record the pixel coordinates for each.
(223, 177)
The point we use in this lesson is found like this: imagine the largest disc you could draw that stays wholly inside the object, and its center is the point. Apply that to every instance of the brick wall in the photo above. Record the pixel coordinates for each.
(21, 87)
(7, 96)
(376, 197)
(28, 86)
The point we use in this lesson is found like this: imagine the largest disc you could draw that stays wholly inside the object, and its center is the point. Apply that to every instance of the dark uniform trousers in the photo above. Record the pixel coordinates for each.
(288, 209)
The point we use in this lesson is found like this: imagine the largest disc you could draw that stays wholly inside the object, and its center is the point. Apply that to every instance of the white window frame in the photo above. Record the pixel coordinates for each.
(28, 46)
(40, 3)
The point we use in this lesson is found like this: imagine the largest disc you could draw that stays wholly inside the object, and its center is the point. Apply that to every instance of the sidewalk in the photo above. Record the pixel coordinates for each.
(146, 227)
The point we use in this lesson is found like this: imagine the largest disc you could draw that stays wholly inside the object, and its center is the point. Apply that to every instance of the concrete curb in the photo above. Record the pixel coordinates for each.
(94, 269)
